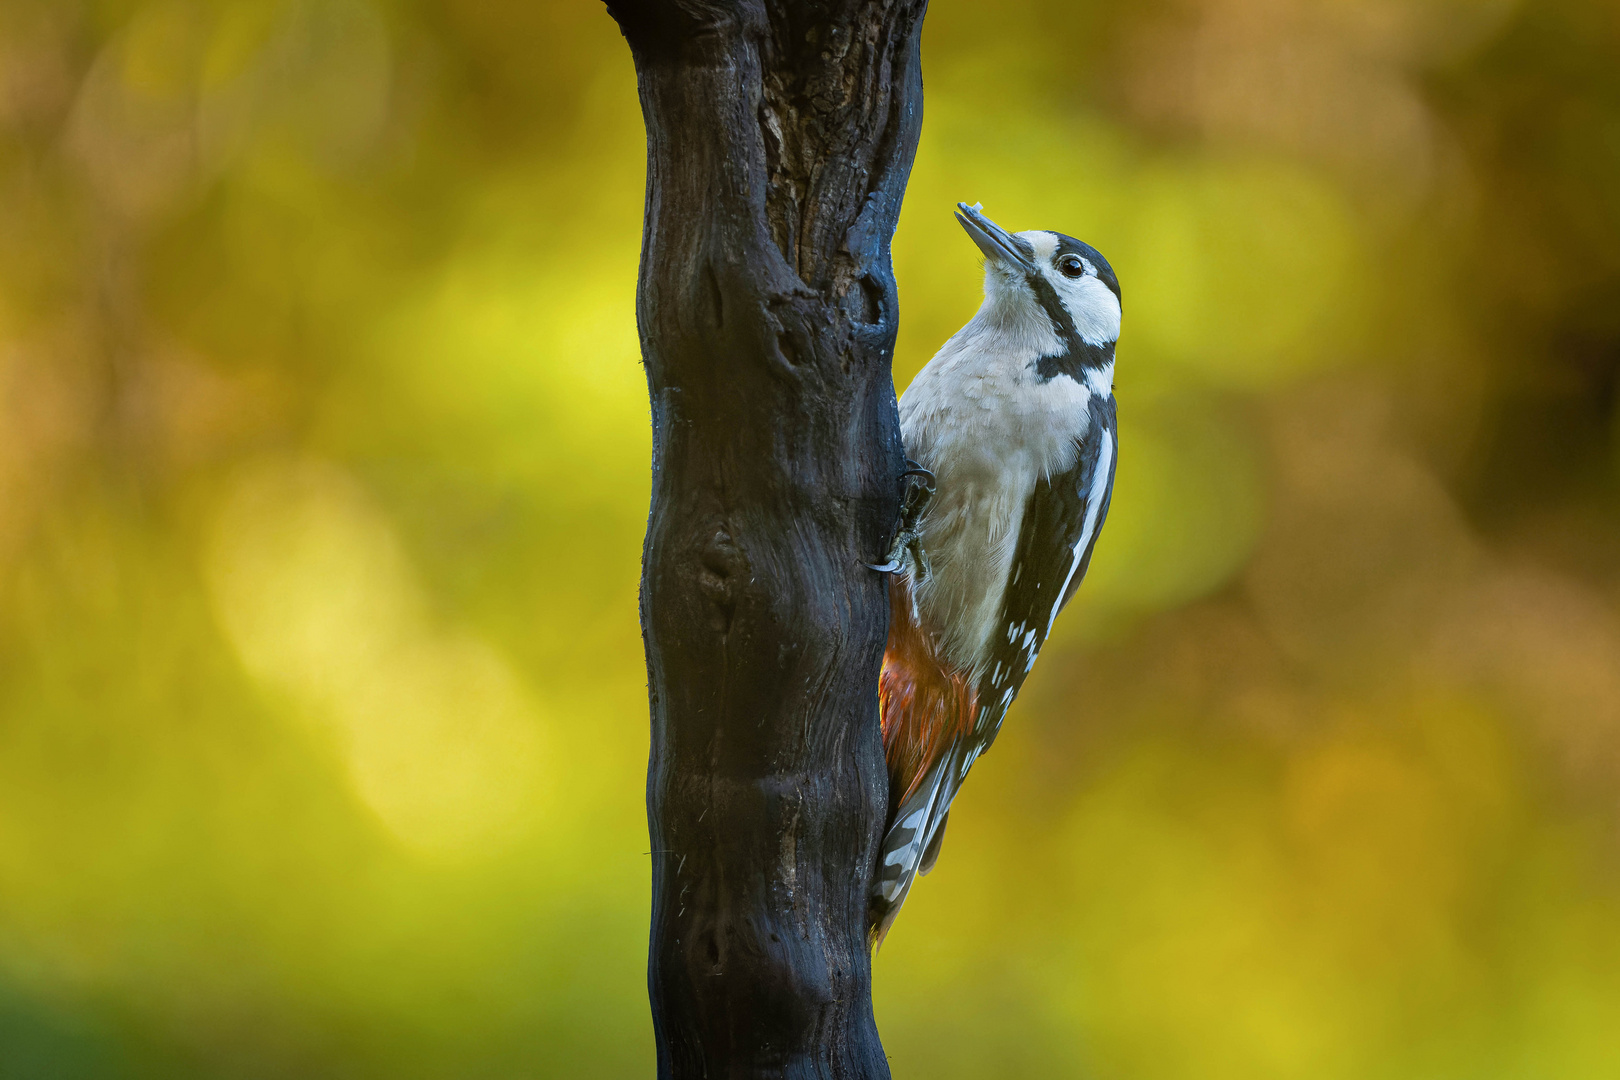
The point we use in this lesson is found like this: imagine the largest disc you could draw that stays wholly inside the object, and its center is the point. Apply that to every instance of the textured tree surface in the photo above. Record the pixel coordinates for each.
(779, 137)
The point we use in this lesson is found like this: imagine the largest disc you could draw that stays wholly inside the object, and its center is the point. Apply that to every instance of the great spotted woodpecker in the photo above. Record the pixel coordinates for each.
(1011, 428)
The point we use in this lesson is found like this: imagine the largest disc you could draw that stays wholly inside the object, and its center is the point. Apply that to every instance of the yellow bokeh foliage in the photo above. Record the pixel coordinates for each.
(324, 461)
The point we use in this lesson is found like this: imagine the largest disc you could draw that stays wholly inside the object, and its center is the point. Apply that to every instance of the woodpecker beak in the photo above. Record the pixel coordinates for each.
(997, 244)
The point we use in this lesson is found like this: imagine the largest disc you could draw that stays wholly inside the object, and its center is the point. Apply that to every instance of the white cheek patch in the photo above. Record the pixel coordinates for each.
(1091, 304)
(1094, 309)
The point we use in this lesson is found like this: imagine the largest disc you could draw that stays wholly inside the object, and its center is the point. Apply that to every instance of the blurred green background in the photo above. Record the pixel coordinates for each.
(323, 471)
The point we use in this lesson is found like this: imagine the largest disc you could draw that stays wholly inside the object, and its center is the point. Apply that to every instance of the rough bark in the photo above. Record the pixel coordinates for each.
(780, 136)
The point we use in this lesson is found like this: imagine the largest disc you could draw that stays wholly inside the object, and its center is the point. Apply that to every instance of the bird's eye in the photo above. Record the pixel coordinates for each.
(1071, 266)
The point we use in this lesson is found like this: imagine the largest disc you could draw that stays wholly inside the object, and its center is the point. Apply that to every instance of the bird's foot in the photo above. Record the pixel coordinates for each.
(906, 553)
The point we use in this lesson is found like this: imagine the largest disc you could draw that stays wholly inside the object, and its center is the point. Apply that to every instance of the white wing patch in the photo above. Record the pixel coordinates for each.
(1099, 485)
(1101, 380)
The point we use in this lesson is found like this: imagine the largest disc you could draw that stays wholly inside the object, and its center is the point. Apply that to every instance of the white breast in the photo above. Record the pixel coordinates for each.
(982, 420)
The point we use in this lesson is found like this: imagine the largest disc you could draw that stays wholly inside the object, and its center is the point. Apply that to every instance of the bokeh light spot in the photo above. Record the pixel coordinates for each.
(314, 591)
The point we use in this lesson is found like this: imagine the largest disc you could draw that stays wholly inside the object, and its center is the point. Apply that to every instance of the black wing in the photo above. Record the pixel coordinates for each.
(1062, 519)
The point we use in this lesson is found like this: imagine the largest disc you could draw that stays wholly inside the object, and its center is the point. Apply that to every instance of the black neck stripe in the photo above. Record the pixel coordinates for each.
(1074, 354)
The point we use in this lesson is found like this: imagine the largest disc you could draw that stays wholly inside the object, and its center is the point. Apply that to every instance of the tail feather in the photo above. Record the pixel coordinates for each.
(905, 845)
(931, 852)
(928, 718)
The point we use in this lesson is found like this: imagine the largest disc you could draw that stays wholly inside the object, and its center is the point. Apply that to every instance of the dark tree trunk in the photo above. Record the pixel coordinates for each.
(780, 136)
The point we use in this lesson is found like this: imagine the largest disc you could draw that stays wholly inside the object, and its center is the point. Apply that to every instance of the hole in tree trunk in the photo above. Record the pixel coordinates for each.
(789, 354)
(871, 301)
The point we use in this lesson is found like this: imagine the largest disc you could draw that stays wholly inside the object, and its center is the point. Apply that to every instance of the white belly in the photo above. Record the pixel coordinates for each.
(988, 431)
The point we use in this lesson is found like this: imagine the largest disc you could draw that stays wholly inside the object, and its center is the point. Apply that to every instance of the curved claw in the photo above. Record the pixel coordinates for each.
(906, 553)
(914, 469)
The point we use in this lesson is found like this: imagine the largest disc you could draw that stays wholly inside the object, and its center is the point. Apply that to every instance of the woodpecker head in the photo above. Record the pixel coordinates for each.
(1066, 279)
